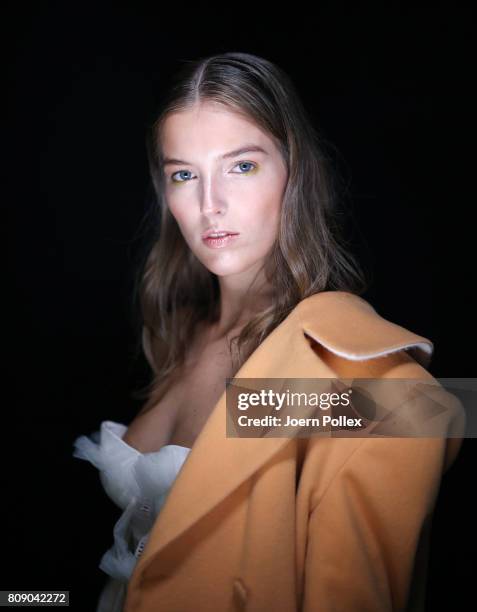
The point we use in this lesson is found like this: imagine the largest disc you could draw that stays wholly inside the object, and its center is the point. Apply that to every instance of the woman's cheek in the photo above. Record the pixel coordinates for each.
(178, 206)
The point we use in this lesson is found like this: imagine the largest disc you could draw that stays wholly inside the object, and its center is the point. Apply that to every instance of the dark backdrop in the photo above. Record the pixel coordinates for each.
(389, 91)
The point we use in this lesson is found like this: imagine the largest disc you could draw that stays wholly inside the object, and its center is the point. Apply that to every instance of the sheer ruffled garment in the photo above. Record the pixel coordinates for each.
(138, 483)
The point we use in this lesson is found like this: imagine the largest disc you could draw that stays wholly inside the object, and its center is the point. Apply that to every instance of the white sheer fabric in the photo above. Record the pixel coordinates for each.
(138, 483)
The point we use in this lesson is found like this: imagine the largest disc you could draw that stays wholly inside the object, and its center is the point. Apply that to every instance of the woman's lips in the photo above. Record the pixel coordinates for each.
(220, 242)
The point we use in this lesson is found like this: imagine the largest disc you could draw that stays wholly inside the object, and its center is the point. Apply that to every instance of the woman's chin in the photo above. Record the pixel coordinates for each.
(225, 270)
(223, 266)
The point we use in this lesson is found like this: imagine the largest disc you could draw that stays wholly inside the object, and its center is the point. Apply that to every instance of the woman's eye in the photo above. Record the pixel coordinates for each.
(181, 172)
(246, 164)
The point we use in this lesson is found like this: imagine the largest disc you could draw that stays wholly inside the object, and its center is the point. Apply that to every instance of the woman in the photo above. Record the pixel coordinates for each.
(248, 278)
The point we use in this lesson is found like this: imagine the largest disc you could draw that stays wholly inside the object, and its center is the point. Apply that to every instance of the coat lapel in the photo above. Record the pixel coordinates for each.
(216, 465)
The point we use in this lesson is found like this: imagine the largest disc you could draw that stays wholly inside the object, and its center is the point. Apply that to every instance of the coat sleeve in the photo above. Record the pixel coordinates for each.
(366, 530)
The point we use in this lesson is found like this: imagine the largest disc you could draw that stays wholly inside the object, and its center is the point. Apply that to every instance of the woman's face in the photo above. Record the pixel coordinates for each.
(216, 190)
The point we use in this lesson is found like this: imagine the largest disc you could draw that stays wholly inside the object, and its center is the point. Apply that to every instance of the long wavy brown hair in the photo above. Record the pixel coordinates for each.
(176, 292)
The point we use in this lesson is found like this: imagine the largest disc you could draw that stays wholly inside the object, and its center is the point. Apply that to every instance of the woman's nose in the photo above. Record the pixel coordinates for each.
(212, 199)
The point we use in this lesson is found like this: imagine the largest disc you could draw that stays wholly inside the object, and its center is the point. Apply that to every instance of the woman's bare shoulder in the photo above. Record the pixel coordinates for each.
(150, 429)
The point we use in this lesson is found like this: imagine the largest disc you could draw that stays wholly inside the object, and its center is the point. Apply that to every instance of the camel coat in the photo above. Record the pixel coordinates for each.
(303, 524)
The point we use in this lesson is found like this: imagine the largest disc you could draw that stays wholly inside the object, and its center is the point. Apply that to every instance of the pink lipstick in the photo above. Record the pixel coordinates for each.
(219, 239)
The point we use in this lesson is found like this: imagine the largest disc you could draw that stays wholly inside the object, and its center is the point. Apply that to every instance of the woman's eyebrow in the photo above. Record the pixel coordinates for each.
(248, 148)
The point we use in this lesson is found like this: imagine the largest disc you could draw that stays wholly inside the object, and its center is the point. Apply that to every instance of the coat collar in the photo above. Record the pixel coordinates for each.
(345, 324)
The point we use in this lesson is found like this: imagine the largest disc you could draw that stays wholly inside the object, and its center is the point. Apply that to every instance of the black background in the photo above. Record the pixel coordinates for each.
(389, 90)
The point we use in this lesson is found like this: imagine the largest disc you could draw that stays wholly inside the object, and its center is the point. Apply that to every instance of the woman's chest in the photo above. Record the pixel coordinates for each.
(198, 391)
(181, 414)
